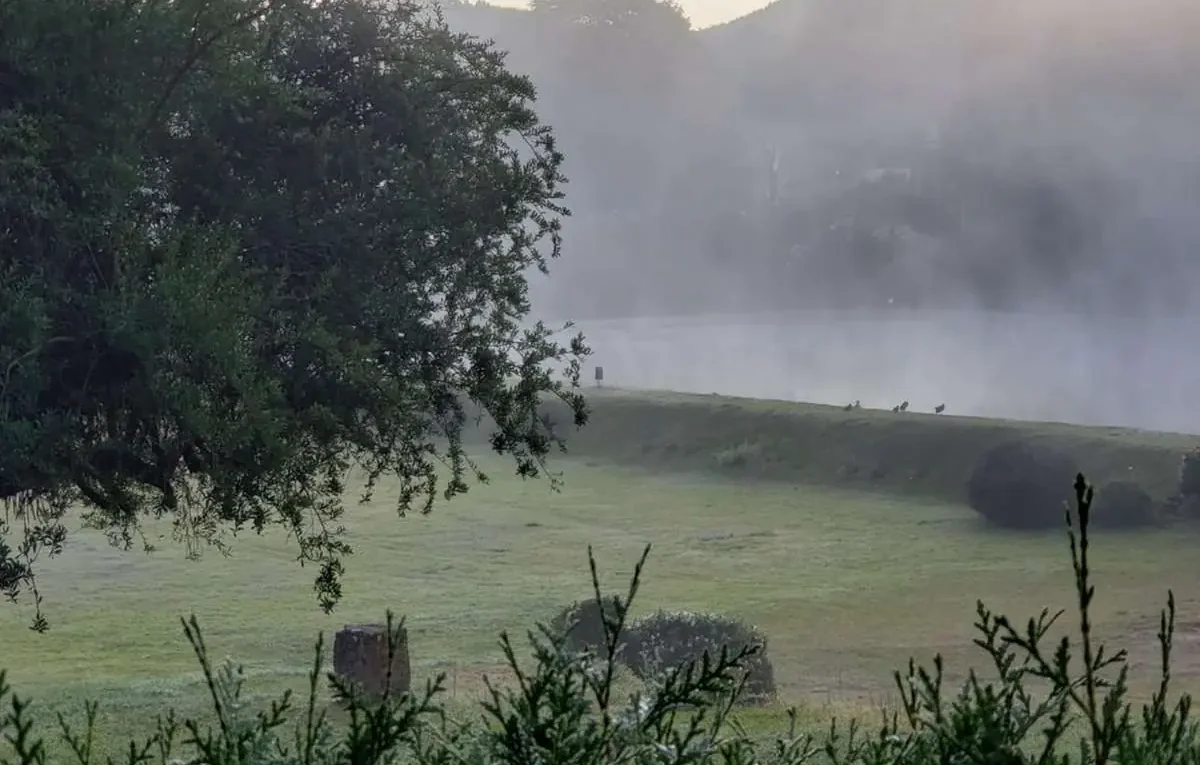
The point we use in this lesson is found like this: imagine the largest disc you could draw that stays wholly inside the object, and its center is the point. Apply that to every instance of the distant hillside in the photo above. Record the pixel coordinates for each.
(939, 53)
(797, 58)
(1008, 153)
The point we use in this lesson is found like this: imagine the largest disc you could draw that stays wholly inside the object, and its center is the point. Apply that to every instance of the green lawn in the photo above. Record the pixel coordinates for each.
(847, 586)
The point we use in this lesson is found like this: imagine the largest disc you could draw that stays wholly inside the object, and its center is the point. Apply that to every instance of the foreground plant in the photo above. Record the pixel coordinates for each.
(1005, 721)
(563, 708)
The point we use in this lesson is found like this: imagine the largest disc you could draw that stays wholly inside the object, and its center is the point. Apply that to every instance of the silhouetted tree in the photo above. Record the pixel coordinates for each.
(248, 246)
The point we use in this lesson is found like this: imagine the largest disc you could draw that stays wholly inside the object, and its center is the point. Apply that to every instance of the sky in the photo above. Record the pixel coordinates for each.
(706, 13)
(703, 13)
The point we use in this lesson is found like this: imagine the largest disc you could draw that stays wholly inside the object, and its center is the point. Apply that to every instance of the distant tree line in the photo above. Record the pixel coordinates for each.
(835, 157)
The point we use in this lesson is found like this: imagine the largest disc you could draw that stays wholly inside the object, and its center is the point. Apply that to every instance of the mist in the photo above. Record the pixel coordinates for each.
(990, 205)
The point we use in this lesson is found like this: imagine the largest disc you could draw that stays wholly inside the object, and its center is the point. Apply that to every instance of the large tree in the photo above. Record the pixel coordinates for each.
(250, 246)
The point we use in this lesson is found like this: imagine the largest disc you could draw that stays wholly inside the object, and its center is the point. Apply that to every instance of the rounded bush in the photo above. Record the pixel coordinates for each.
(1189, 474)
(583, 624)
(1019, 485)
(1122, 504)
(665, 640)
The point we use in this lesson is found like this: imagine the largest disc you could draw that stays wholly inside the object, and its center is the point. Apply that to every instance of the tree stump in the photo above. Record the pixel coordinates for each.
(360, 654)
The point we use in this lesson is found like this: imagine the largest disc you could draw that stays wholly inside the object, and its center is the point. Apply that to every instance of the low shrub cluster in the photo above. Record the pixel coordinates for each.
(655, 645)
(582, 623)
(1185, 505)
(1019, 485)
(1124, 504)
(1189, 474)
(1047, 703)
(664, 641)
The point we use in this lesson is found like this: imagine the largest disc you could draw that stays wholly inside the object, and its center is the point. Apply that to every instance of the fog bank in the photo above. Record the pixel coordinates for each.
(919, 198)
(1126, 372)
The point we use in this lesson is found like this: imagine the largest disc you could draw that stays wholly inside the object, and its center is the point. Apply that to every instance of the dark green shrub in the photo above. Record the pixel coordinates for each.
(1020, 485)
(1122, 505)
(1189, 474)
(582, 624)
(667, 640)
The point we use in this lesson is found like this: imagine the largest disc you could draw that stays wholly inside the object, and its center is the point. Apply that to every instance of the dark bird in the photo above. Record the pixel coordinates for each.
(939, 409)
(896, 408)
(903, 406)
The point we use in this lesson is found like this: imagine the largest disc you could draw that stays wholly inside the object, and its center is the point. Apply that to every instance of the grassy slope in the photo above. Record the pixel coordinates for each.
(910, 454)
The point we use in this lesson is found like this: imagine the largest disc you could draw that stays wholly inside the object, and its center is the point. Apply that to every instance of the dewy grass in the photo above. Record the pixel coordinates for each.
(1047, 703)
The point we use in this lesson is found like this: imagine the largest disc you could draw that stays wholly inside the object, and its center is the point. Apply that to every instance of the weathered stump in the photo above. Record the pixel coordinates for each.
(360, 654)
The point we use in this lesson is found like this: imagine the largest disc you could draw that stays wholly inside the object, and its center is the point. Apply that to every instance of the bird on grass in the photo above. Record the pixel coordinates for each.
(903, 406)
(939, 409)
(851, 407)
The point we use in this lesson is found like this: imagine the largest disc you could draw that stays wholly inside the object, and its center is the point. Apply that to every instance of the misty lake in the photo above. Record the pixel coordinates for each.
(1132, 372)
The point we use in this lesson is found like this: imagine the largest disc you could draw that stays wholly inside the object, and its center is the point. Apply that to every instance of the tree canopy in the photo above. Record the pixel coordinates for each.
(251, 247)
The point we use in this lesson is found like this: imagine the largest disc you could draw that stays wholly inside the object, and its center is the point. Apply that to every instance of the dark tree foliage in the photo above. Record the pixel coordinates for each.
(250, 246)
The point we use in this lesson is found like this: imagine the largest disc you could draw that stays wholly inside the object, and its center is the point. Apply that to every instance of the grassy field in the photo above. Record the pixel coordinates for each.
(847, 581)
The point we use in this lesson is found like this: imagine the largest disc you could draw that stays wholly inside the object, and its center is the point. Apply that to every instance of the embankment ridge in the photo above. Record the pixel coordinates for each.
(910, 453)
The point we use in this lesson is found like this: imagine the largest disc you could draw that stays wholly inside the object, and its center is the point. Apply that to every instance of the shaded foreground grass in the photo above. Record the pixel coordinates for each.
(846, 585)
(910, 453)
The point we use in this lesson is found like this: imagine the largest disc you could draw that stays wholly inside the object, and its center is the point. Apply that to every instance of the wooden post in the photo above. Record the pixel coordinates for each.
(360, 654)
